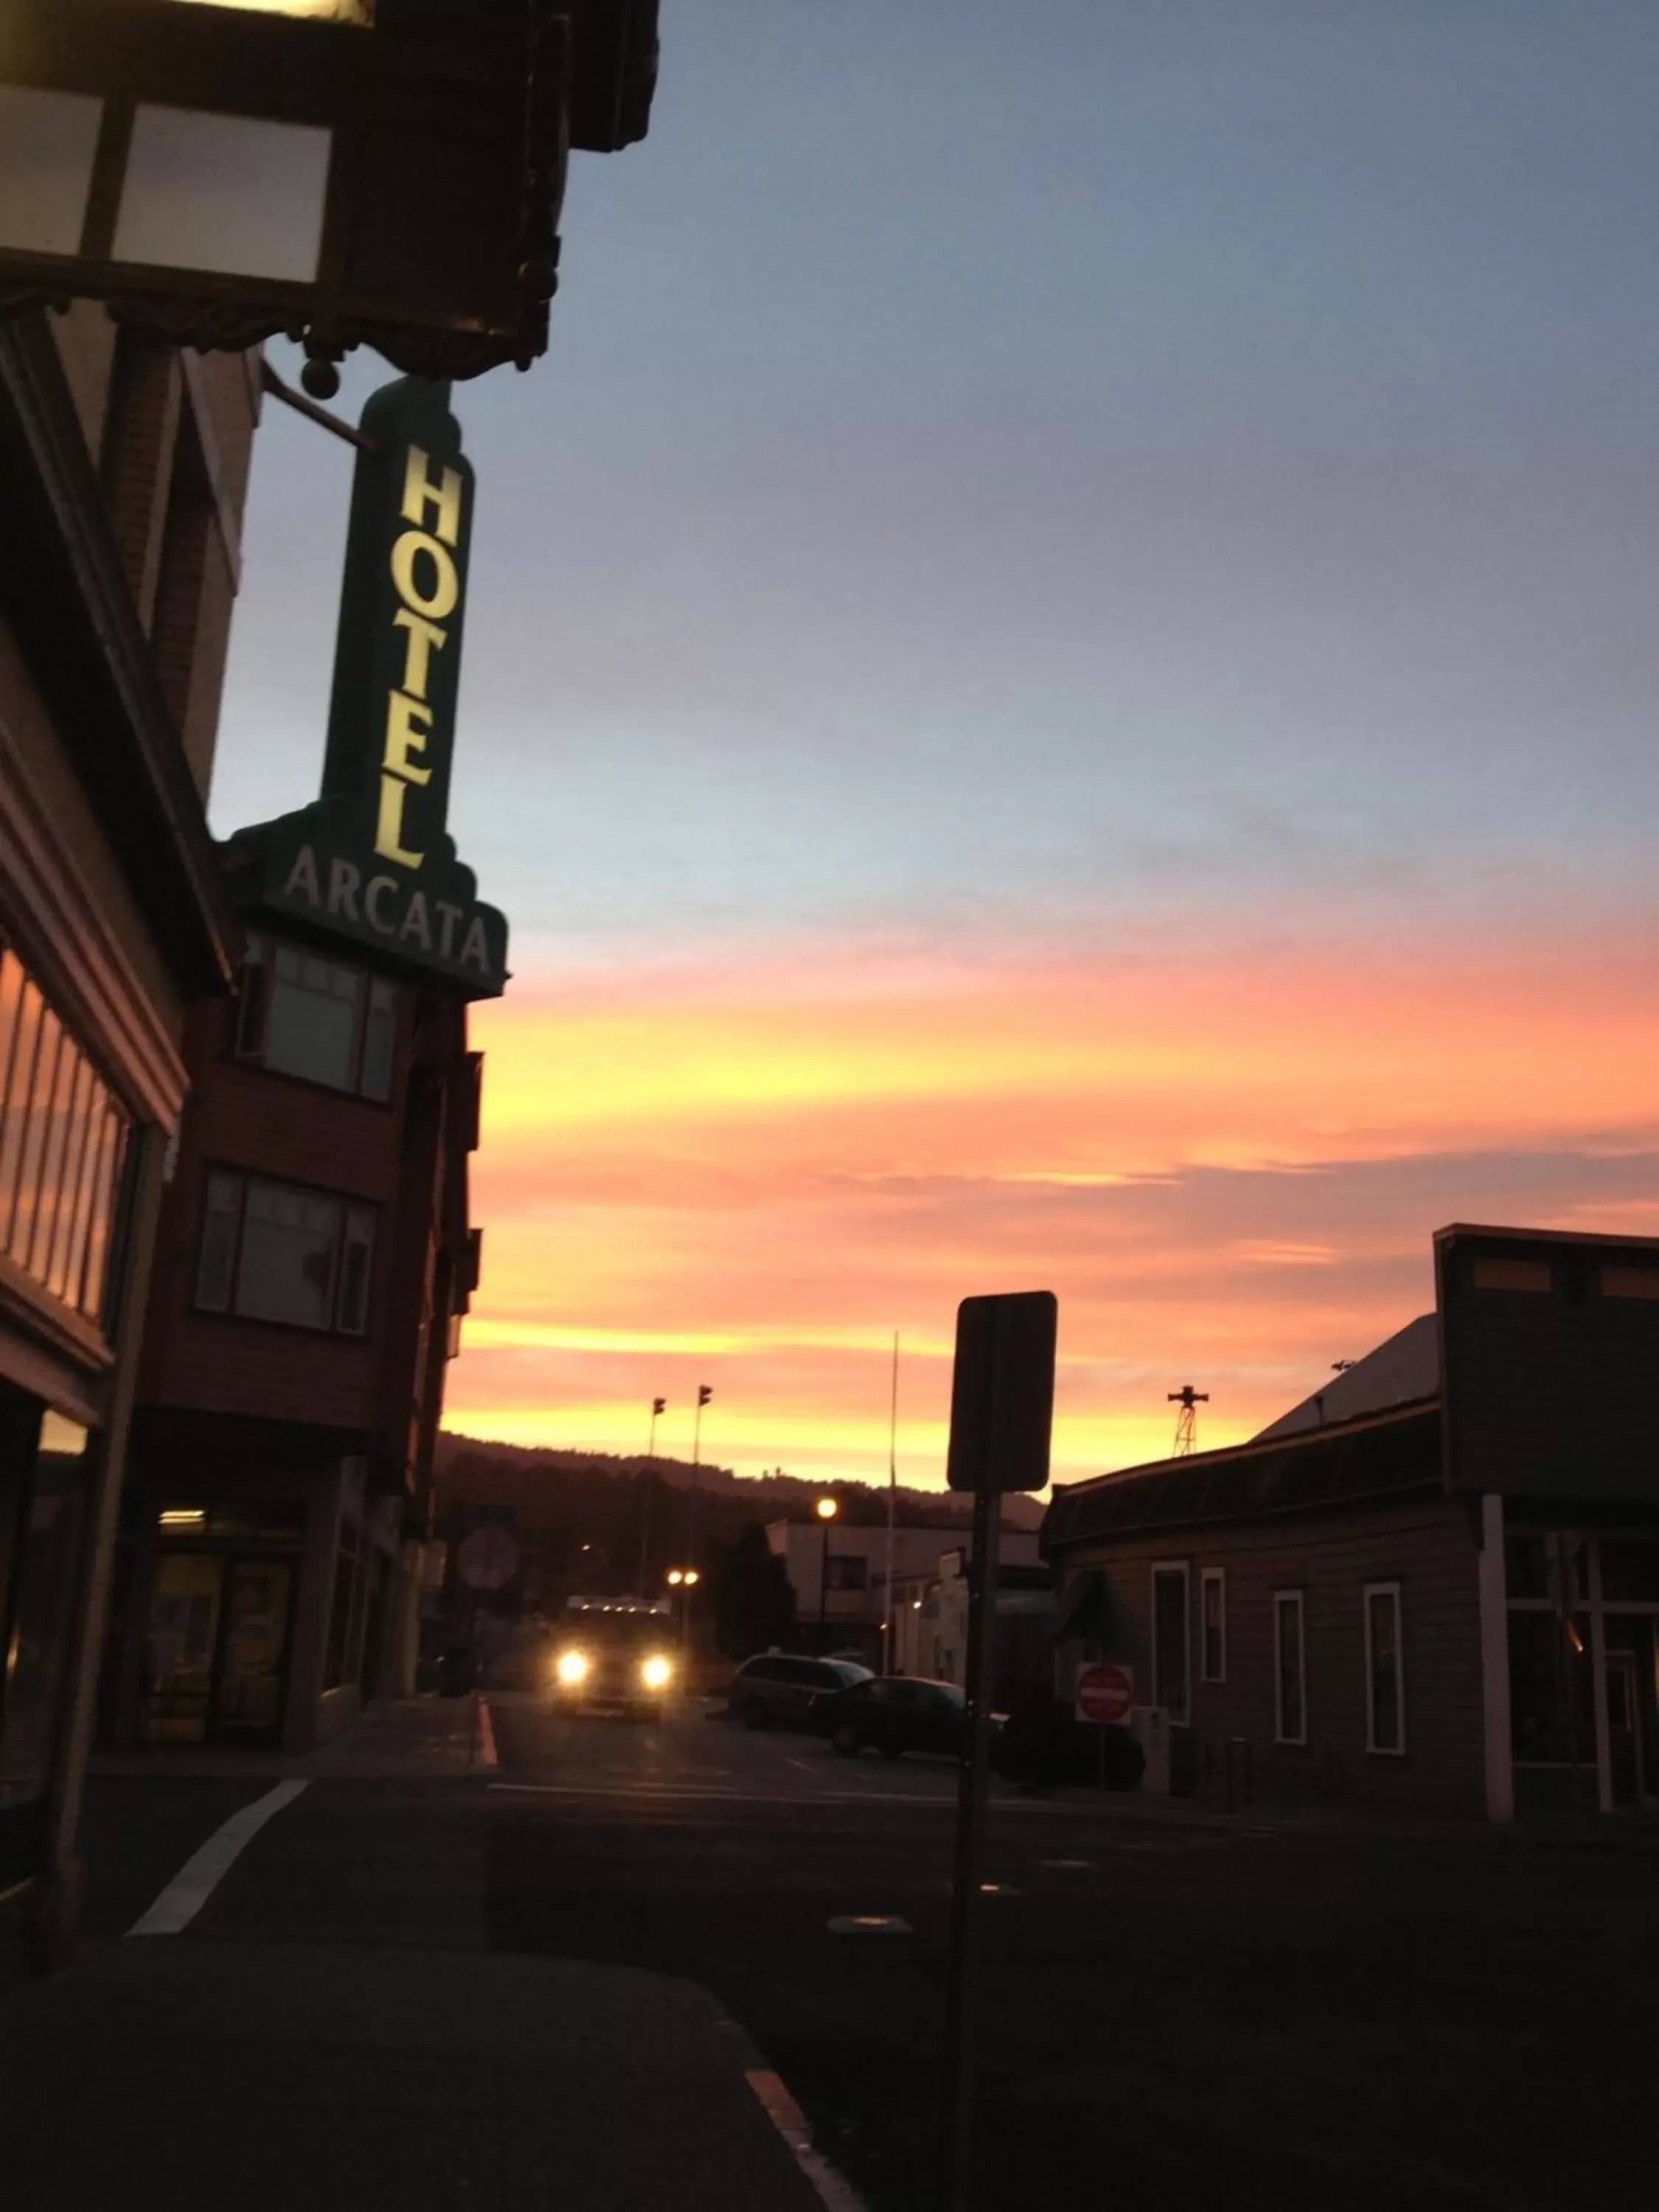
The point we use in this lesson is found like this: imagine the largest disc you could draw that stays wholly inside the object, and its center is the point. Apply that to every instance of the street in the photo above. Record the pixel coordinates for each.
(1182, 2008)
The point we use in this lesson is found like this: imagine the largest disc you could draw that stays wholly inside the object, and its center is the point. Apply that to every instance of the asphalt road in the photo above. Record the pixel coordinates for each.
(1179, 2011)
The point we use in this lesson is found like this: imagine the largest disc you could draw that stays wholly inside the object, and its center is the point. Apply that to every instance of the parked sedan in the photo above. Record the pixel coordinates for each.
(780, 1686)
(892, 1714)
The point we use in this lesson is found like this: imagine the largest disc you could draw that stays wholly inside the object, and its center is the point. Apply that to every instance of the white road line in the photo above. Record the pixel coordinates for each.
(201, 1873)
(836, 2193)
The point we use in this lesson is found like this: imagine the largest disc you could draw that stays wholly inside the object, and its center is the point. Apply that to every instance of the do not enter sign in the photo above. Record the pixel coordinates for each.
(1104, 1694)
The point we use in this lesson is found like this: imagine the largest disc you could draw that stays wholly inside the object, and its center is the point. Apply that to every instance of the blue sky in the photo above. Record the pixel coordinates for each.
(1078, 481)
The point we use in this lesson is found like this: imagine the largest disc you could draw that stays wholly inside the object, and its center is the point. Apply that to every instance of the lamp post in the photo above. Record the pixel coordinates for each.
(827, 1510)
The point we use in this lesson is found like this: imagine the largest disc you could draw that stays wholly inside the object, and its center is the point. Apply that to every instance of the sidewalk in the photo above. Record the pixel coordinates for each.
(394, 1738)
(199, 2074)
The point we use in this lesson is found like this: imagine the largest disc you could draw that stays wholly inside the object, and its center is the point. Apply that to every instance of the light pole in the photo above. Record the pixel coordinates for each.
(657, 1406)
(704, 1393)
(827, 1510)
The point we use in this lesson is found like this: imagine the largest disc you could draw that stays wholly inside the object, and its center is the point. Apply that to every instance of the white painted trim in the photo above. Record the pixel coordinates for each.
(201, 1873)
(1218, 1577)
(1291, 1597)
(1384, 1750)
(1495, 1661)
(1183, 1568)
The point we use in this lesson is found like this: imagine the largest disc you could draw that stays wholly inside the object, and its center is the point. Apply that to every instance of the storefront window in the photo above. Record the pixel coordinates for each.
(43, 1502)
(63, 1150)
(343, 1618)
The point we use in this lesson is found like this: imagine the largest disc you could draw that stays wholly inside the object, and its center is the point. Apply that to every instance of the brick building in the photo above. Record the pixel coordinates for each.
(316, 1251)
(1434, 1584)
(123, 465)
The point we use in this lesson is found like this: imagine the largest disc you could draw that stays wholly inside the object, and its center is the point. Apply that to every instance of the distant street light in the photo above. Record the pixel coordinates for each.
(827, 1510)
(685, 1580)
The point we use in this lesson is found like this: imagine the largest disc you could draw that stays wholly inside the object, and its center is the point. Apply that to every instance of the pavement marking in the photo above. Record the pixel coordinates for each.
(1067, 1865)
(870, 1923)
(836, 2193)
(202, 1873)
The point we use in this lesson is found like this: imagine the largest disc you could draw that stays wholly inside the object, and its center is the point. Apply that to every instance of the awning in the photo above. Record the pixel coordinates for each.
(1086, 1609)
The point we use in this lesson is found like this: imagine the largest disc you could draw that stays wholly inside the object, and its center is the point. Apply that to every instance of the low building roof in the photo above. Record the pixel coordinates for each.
(1404, 1368)
(1374, 1456)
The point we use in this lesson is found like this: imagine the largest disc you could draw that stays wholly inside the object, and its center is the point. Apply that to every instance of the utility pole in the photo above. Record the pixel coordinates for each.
(704, 1393)
(890, 1622)
(657, 1406)
(1186, 1435)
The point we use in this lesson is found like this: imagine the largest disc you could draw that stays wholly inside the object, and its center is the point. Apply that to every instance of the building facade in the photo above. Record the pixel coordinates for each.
(123, 467)
(840, 1578)
(1435, 1587)
(316, 1251)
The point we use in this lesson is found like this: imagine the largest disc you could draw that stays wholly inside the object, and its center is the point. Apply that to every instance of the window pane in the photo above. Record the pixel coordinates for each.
(50, 1037)
(47, 1204)
(355, 1270)
(1291, 1720)
(1215, 1656)
(20, 1089)
(213, 1273)
(1169, 1643)
(379, 1035)
(310, 1027)
(86, 1191)
(11, 994)
(255, 999)
(286, 1272)
(106, 1182)
(1382, 1621)
(75, 1148)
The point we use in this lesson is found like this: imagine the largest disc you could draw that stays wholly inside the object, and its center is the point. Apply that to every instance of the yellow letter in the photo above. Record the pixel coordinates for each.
(417, 651)
(420, 493)
(446, 584)
(403, 738)
(392, 792)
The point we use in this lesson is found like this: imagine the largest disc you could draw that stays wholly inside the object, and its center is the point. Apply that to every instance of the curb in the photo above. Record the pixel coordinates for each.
(835, 2192)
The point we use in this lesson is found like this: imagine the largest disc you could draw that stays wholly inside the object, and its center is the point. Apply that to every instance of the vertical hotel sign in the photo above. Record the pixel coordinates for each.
(373, 859)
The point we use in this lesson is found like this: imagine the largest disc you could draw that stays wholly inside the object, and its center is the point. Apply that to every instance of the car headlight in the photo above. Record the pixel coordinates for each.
(657, 1672)
(572, 1666)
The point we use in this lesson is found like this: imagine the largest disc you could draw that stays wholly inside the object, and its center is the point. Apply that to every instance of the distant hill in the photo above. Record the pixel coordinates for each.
(539, 1479)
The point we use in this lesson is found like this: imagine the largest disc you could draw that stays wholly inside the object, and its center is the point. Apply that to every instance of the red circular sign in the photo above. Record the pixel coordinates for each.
(1104, 1694)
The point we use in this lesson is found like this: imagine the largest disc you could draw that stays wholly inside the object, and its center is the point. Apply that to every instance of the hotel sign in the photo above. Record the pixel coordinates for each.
(373, 860)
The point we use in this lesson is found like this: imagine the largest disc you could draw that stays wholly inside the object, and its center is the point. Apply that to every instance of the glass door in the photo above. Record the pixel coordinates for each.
(179, 1646)
(248, 1694)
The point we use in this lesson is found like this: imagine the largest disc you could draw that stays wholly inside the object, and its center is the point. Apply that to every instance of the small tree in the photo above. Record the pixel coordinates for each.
(754, 1597)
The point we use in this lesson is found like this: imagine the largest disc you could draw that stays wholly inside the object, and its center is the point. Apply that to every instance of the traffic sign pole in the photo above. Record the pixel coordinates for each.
(967, 1897)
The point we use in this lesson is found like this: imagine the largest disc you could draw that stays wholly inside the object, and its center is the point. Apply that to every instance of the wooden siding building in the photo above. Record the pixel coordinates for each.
(1445, 1595)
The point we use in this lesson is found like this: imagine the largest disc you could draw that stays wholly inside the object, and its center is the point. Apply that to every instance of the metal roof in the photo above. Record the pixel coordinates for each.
(1376, 1456)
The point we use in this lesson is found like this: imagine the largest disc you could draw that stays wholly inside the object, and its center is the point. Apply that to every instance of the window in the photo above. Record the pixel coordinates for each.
(1213, 1586)
(272, 1252)
(847, 1570)
(1290, 1670)
(62, 1150)
(1491, 1273)
(323, 1020)
(1385, 1701)
(1630, 1282)
(1171, 1642)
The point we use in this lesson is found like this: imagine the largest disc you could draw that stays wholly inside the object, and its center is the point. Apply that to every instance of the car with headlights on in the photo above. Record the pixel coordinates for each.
(614, 1653)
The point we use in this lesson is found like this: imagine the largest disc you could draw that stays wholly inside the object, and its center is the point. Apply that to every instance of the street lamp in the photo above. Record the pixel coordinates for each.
(827, 1510)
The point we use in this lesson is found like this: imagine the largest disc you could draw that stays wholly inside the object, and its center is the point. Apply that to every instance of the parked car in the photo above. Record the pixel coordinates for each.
(778, 1687)
(893, 1714)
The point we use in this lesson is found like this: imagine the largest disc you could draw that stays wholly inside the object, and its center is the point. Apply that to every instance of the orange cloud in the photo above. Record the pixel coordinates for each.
(1227, 1161)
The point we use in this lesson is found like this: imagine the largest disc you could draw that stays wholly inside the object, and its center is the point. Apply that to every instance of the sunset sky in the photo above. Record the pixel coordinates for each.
(1060, 690)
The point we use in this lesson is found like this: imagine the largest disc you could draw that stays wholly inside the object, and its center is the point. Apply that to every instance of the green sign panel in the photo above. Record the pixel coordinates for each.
(373, 860)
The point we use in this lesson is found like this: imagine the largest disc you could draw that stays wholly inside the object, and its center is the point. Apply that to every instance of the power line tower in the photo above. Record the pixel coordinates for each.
(1189, 1401)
